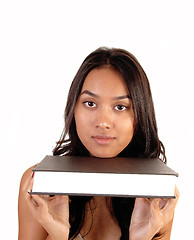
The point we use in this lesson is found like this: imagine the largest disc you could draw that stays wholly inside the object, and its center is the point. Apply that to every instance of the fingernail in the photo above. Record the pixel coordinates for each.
(32, 174)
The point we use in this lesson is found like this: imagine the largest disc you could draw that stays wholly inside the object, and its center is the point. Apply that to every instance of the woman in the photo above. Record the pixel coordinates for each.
(109, 113)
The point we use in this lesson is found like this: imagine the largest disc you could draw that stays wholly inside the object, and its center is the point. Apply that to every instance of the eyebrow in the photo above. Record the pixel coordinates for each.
(96, 96)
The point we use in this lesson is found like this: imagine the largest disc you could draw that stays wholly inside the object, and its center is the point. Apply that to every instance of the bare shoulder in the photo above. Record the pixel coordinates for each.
(29, 228)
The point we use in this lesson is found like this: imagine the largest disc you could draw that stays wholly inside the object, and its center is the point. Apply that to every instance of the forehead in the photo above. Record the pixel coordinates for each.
(105, 80)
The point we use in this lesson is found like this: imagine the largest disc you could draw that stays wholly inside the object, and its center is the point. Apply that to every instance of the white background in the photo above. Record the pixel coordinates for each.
(42, 44)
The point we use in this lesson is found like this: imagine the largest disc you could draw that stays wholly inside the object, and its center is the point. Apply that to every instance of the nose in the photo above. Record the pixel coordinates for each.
(104, 119)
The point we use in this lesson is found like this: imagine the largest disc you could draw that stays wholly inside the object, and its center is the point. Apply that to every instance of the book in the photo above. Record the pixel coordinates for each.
(116, 177)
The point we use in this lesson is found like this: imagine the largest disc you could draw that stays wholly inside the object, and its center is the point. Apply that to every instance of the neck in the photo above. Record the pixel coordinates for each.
(99, 221)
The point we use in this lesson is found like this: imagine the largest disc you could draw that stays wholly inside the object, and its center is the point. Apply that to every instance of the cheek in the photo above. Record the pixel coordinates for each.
(79, 123)
(82, 124)
(126, 129)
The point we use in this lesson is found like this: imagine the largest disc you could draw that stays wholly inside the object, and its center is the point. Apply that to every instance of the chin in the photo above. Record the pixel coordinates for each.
(103, 155)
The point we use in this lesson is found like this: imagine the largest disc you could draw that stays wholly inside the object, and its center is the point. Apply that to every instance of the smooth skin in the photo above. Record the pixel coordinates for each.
(105, 124)
(109, 125)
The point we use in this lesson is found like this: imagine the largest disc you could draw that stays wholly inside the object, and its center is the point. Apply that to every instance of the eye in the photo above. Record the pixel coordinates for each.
(120, 108)
(90, 104)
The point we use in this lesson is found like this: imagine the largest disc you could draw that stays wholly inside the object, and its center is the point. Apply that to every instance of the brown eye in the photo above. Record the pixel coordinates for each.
(120, 108)
(90, 104)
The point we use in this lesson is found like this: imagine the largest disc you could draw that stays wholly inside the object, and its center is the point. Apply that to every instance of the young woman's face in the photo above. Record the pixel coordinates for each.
(104, 115)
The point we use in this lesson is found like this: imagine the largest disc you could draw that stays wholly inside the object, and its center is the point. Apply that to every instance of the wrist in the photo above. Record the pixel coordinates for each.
(63, 237)
(58, 230)
(140, 237)
(59, 235)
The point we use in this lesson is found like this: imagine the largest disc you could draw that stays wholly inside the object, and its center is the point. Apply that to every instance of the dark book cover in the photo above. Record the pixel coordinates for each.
(104, 165)
(90, 176)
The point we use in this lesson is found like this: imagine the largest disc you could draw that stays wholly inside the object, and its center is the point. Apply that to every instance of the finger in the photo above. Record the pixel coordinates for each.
(39, 200)
(40, 209)
(158, 203)
(30, 184)
(48, 197)
(28, 181)
(155, 204)
(56, 198)
(162, 203)
(177, 193)
(62, 203)
(28, 187)
(171, 203)
(141, 203)
(62, 198)
(32, 204)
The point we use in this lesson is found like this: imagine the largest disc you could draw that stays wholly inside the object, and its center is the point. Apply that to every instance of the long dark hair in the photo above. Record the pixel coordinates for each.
(145, 142)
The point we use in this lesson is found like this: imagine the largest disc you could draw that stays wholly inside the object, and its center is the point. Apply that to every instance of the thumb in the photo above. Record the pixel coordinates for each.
(155, 204)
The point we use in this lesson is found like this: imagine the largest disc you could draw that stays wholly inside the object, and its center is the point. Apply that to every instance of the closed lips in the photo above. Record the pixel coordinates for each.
(103, 139)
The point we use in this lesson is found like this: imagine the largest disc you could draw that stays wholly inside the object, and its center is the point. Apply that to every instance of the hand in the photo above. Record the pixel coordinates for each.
(51, 212)
(150, 216)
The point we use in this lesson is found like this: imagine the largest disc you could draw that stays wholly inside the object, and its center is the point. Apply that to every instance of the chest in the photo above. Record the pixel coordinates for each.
(101, 228)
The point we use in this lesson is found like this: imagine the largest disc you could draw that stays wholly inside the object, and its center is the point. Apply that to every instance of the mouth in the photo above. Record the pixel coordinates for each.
(103, 139)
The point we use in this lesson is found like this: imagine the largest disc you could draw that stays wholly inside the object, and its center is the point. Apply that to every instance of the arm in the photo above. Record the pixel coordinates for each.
(42, 217)
(29, 228)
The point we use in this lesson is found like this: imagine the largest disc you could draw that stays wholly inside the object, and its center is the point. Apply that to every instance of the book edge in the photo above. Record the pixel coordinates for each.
(103, 195)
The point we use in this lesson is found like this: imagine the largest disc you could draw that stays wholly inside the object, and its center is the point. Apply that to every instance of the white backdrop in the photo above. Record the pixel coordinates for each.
(42, 44)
